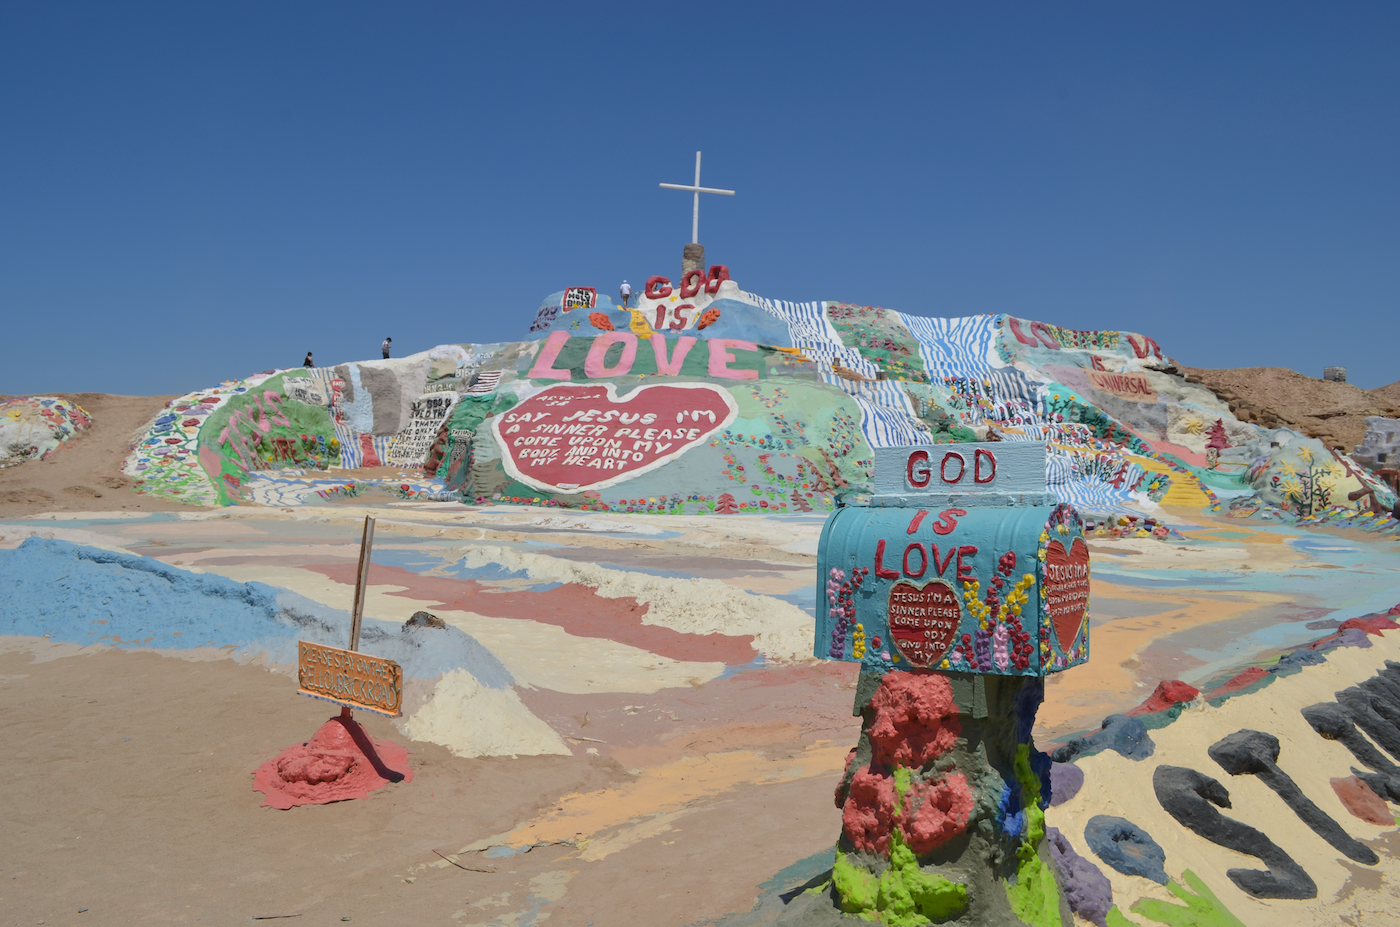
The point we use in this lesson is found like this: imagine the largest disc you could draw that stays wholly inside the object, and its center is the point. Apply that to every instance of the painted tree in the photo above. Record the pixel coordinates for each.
(1215, 443)
(1217, 438)
(799, 501)
(726, 505)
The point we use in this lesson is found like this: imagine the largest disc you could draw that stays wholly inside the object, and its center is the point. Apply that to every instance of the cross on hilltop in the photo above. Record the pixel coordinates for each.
(693, 256)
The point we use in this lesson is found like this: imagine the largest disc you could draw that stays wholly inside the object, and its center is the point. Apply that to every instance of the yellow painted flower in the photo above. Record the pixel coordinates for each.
(1291, 489)
(1305, 453)
(1287, 468)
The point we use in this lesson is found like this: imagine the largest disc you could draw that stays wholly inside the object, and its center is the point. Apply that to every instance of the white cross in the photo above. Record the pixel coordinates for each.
(697, 189)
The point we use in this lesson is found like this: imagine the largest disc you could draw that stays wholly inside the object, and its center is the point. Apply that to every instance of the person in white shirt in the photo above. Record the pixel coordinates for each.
(626, 293)
(385, 347)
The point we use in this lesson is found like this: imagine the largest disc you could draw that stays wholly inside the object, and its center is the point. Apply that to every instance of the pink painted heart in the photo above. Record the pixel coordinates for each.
(1067, 589)
(923, 620)
(572, 438)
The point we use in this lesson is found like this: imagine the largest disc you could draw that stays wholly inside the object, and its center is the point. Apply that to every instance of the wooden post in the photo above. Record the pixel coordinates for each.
(361, 577)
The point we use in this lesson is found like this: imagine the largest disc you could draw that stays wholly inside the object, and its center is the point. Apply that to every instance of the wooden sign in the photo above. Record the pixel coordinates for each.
(345, 677)
(999, 467)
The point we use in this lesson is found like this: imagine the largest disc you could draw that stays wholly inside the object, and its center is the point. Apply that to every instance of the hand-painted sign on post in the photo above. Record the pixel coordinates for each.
(960, 562)
(349, 678)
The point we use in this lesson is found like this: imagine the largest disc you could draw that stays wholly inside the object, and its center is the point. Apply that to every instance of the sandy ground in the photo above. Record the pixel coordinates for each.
(130, 796)
(85, 472)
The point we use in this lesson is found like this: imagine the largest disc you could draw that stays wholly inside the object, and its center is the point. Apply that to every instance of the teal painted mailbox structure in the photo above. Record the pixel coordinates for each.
(961, 561)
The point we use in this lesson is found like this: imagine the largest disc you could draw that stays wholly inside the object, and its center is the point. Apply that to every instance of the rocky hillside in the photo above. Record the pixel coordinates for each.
(1275, 397)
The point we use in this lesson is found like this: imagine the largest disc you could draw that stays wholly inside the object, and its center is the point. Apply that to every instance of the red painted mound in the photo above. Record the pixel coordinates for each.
(1236, 683)
(1372, 625)
(340, 763)
(1167, 694)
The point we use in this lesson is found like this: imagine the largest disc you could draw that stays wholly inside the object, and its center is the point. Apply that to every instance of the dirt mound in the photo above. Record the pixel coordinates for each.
(1277, 397)
(85, 472)
(1388, 395)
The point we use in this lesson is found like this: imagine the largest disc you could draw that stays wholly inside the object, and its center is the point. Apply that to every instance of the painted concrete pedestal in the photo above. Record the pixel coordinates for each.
(955, 618)
(942, 804)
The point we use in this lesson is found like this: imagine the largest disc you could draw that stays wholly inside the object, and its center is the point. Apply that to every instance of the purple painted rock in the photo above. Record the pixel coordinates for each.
(1066, 780)
(1086, 888)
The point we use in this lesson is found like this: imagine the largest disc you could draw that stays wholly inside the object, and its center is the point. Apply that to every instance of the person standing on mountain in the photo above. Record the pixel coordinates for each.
(388, 343)
(308, 362)
(626, 293)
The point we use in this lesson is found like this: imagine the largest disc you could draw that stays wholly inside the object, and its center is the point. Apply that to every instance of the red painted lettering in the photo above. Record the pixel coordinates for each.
(942, 567)
(917, 520)
(880, 570)
(923, 560)
(1020, 336)
(718, 274)
(943, 467)
(964, 571)
(1147, 345)
(658, 287)
(691, 282)
(977, 457)
(918, 479)
(947, 521)
(1040, 331)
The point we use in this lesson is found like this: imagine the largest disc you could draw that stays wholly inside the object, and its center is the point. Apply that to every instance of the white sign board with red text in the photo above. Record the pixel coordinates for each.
(1003, 467)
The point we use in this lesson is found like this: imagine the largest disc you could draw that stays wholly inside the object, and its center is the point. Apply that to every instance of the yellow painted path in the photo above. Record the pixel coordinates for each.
(1184, 491)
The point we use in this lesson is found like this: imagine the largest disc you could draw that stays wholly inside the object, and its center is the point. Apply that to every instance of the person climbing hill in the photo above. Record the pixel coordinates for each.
(626, 293)
(308, 362)
(388, 343)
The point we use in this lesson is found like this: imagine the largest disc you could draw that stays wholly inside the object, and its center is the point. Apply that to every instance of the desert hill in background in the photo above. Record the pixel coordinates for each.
(1276, 397)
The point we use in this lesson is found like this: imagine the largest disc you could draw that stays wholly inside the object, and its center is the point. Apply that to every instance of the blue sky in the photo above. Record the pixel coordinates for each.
(194, 192)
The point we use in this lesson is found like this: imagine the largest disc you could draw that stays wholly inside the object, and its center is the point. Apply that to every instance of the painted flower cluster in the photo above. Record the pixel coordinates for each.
(840, 592)
(1000, 640)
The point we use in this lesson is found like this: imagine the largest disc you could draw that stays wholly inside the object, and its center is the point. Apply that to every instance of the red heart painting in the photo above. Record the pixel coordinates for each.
(923, 620)
(571, 438)
(1066, 589)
